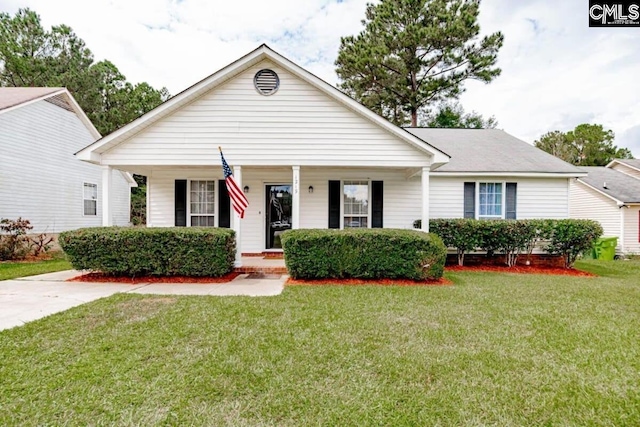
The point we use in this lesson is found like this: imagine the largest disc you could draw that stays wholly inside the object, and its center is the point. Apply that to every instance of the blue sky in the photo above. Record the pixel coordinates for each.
(556, 71)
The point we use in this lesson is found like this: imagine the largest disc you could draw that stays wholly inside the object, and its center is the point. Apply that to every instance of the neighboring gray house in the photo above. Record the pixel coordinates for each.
(611, 196)
(40, 178)
(309, 156)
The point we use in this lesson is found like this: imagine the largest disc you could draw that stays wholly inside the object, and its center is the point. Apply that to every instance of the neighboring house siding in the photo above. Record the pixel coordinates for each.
(40, 179)
(586, 203)
(631, 230)
(535, 197)
(297, 125)
(626, 170)
(401, 196)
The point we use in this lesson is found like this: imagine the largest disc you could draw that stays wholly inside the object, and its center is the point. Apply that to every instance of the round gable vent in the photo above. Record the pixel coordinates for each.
(266, 82)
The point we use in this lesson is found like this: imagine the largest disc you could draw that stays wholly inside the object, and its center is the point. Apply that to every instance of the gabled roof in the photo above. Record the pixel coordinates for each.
(93, 151)
(491, 151)
(632, 163)
(12, 98)
(619, 186)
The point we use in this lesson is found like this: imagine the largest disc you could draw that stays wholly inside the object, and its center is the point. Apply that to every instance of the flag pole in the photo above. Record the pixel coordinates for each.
(220, 148)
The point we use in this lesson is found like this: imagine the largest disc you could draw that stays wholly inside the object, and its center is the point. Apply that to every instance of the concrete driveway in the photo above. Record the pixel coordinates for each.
(30, 298)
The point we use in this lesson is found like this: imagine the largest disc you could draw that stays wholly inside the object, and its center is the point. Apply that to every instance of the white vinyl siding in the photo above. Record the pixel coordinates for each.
(631, 230)
(587, 203)
(298, 124)
(41, 179)
(536, 197)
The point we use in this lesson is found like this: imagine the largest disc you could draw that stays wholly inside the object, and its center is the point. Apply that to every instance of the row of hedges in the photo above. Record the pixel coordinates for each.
(363, 253)
(566, 237)
(128, 251)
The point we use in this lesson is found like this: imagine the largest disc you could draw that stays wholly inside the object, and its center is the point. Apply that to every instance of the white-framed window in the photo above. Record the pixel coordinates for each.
(491, 200)
(356, 209)
(90, 199)
(202, 205)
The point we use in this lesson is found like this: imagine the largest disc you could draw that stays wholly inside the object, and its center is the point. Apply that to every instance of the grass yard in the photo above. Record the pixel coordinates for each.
(495, 349)
(11, 270)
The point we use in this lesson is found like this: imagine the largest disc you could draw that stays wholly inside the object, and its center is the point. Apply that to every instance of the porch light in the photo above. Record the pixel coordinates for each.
(311, 189)
(246, 189)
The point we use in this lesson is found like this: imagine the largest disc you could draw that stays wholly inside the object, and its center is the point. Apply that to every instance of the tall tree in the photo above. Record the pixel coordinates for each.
(413, 53)
(33, 56)
(586, 145)
(453, 116)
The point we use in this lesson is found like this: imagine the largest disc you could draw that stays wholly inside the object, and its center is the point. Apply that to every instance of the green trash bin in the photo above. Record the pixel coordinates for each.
(605, 248)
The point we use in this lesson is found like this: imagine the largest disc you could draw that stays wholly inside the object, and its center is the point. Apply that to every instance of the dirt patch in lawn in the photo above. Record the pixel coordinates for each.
(102, 278)
(380, 282)
(521, 269)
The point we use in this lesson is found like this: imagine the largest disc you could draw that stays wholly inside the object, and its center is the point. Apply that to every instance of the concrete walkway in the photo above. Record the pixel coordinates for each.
(30, 298)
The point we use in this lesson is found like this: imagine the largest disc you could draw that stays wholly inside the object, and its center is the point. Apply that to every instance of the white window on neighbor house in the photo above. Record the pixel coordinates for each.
(490, 200)
(355, 204)
(90, 199)
(202, 203)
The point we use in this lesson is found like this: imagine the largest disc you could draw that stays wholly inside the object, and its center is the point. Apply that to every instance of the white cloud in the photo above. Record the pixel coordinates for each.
(556, 71)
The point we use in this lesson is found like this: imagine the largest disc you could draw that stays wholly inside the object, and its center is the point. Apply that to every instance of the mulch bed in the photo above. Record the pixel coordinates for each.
(357, 282)
(99, 277)
(521, 269)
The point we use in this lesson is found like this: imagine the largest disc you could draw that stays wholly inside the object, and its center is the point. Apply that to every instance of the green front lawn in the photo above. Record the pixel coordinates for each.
(12, 270)
(495, 349)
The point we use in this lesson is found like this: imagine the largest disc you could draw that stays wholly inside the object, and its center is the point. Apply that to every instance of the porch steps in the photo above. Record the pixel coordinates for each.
(248, 269)
(263, 263)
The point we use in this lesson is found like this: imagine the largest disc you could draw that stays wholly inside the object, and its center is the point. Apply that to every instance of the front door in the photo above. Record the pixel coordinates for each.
(278, 209)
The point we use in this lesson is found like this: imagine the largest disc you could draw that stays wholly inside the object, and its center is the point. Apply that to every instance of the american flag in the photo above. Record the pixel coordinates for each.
(238, 199)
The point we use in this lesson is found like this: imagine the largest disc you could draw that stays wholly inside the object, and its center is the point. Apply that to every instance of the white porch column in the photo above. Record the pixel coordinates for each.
(295, 204)
(425, 199)
(107, 206)
(237, 175)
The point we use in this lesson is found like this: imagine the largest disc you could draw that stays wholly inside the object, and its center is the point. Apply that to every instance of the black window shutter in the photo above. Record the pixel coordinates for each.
(181, 203)
(469, 199)
(511, 196)
(224, 205)
(376, 204)
(334, 204)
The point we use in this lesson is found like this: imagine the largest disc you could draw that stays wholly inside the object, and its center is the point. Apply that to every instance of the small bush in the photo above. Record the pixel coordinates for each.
(129, 251)
(571, 237)
(363, 253)
(14, 243)
(458, 233)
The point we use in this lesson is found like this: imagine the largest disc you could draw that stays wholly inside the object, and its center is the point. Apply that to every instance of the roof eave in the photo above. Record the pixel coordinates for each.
(512, 174)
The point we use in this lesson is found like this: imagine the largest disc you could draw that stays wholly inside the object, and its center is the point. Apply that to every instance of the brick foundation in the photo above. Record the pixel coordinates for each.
(536, 260)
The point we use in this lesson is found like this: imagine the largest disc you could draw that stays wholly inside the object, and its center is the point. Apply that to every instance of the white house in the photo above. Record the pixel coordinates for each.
(309, 156)
(611, 196)
(40, 178)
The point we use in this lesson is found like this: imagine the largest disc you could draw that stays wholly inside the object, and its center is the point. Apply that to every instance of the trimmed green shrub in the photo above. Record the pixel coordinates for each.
(461, 234)
(132, 251)
(364, 254)
(571, 237)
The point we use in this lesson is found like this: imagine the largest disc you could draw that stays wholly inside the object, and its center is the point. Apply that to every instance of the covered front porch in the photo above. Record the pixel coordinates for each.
(282, 198)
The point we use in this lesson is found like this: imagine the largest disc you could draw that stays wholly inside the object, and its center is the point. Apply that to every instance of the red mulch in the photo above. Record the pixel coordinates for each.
(521, 269)
(99, 277)
(356, 282)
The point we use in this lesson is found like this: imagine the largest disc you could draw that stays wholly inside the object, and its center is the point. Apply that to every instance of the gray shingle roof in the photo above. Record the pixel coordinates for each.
(619, 185)
(490, 150)
(11, 96)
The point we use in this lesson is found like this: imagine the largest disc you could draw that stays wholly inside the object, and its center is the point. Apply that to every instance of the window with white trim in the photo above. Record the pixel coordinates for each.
(90, 199)
(490, 200)
(202, 203)
(355, 204)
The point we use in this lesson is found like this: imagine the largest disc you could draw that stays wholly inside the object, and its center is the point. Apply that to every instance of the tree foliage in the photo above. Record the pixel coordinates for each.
(30, 55)
(586, 145)
(452, 115)
(413, 53)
